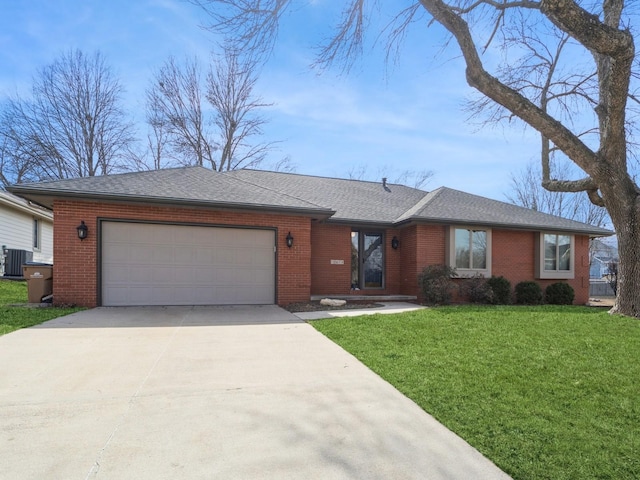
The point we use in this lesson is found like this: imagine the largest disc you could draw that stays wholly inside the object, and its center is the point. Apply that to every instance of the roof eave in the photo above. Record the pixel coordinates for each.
(45, 198)
(45, 214)
(360, 222)
(596, 232)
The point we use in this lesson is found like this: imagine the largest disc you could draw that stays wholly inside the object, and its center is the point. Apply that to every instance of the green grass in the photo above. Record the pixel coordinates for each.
(14, 318)
(544, 392)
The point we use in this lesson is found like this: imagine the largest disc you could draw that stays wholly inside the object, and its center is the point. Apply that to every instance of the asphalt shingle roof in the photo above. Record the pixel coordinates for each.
(352, 200)
(447, 205)
(339, 200)
(190, 185)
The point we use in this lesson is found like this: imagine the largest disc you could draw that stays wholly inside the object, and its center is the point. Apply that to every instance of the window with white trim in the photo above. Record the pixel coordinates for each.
(470, 251)
(555, 255)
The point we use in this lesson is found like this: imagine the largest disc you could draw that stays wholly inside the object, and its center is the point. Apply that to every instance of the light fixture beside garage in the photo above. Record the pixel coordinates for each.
(395, 243)
(83, 230)
(289, 240)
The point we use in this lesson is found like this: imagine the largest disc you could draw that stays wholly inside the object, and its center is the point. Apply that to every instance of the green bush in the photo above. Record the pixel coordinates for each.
(436, 284)
(559, 294)
(476, 289)
(501, 288)
(528, 293)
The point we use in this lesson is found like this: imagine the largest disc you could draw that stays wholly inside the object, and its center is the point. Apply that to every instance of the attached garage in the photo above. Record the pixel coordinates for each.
(162, 264)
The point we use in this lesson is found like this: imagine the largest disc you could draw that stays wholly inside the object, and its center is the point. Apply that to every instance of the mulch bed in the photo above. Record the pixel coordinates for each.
(316, 307)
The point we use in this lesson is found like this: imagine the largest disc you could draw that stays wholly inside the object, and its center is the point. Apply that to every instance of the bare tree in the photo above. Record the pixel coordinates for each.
(230, 86)
(217, 137)
(157, 137)
(12, 169)
(412, 178)
(600, 38)
(175, 100)
(73, 124)
(284, 165)
(527, 191)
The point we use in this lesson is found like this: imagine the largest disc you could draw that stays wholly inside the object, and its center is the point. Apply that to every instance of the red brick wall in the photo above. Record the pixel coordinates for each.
(333, 242)
(408, 260)
(76, 263)
(330, 242)
(421, 245)
(304, 269)
(513, 257)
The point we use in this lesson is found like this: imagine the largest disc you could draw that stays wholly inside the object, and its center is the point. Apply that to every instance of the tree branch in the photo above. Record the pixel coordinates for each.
(501, 6)
(509, 98)
(587, 28)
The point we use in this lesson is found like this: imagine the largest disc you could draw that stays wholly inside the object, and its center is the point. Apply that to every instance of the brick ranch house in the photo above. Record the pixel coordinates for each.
(189, 236)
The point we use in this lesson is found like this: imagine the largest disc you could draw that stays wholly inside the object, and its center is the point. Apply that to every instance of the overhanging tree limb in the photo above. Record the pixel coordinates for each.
(509, 98)
(587, 27)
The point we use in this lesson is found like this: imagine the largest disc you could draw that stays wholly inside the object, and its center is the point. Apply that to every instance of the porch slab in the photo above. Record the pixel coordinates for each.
(373, 298)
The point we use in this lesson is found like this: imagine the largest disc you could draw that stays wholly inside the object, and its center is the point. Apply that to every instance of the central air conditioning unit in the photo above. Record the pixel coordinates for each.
(14, 261)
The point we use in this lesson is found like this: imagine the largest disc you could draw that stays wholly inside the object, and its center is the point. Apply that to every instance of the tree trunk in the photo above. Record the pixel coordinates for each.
(624, 209)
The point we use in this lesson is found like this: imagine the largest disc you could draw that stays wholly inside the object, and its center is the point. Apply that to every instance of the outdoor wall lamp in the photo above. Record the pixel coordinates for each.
(289, 240)
(82, 230)
(395, 243)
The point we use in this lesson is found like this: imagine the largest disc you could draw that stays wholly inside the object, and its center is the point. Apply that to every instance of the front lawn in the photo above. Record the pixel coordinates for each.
(544, 392)
(14, 318)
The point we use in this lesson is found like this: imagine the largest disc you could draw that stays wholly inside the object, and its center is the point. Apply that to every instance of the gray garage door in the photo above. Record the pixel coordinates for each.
(150, 264)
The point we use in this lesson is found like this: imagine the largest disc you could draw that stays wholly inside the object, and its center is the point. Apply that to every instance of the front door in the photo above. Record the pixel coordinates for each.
(367, 260)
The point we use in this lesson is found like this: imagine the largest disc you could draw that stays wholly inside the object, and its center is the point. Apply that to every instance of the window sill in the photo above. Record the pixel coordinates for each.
(556, 275)
(469, 273)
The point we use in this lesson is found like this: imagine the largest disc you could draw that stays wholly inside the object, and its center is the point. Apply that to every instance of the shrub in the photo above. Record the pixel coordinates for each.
(528, 293)
(436, 284)
(477, 289)
(501, 288)
(559, 294)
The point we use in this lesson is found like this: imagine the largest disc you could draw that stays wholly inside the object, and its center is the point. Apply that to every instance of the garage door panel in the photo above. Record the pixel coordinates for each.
(227, 237)
(185, 256)
(148, 264)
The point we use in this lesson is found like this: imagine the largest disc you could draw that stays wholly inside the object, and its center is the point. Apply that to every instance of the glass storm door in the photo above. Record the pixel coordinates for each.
(367, 260)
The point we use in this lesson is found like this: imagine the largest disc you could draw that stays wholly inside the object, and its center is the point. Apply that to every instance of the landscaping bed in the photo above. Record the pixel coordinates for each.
(317, 307)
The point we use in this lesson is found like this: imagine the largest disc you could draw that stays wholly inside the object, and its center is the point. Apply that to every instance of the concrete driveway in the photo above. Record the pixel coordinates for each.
(208, 393)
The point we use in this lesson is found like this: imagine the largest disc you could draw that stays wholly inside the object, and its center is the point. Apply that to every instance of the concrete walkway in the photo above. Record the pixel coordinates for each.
(386, 308)
(208, 393)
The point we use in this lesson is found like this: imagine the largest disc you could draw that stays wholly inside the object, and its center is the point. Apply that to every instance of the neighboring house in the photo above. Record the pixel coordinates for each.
(602, 256)
(194, 236)
(26, 233)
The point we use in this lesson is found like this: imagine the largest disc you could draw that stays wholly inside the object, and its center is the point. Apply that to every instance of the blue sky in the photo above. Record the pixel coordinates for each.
(408, 116)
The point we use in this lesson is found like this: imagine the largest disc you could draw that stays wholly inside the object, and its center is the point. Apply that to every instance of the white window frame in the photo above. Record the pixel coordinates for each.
(451, 254)
(36, 240)
(541, 271)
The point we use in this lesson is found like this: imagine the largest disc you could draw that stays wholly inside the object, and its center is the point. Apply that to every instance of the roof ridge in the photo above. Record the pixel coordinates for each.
(420, 204)
(377, 182)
